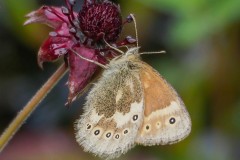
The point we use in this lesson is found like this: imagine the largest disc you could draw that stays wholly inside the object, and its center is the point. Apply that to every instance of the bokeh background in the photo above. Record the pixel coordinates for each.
(202, 40)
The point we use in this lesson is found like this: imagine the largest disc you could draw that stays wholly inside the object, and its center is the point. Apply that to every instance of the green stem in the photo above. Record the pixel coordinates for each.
(31, 106)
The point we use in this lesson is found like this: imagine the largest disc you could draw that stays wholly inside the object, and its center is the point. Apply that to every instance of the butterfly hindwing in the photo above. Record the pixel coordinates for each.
(112, 115)
(166, 119)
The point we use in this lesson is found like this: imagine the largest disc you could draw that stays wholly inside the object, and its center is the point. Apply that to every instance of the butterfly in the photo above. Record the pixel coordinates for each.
(130, 104)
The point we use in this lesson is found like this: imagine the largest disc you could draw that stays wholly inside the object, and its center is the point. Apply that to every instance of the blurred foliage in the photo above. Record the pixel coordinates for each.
(197, 19)
(202, 62)
(13, 16)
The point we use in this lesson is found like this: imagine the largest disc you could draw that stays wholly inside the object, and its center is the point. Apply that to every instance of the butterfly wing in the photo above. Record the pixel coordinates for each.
(112, 115)
(166, 119)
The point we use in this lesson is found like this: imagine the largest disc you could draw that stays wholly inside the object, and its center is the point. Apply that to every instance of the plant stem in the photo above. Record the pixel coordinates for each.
(31, 106)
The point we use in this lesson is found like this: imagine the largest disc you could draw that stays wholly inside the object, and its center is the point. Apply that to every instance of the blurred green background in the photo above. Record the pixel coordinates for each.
(202, 40)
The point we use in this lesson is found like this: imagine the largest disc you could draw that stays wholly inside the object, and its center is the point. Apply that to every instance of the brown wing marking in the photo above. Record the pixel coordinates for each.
(158, 94)
(166, 119)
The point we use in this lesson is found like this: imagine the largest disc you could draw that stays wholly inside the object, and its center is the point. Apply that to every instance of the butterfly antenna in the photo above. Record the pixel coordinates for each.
(157, 52)
(135, 25)
(89, 60)
(112, 47)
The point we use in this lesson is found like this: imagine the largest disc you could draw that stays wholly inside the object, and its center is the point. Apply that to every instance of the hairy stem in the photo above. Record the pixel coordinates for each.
(31, 106)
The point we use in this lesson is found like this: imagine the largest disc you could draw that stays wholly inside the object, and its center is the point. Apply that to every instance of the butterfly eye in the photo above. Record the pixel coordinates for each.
(108, 135)
(117, 136)
(172, 120)
(125, 131)
(97, 132)
(89, 126)
(158, 124)
(148, 127)
(135, 117)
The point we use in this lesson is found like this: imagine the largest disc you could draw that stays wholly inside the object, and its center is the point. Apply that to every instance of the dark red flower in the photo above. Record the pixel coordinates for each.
(103, 19)
(57, 44)
(80, 70)
(79, 33)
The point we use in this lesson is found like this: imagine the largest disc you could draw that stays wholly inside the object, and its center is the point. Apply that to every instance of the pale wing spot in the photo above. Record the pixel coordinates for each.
(130, 84)
(147, 127)
(172, 121)
(119, 95)
(108, 134)
(97, 132)
(117, 136)
(158, 124)
(173, 107)
(125, 131)
(148, 75)
(95, 117)
(122, 119)
(134, 118)
(88, 126)
(146, 84)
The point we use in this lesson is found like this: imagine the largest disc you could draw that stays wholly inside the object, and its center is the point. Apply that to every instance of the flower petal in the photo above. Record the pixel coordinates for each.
(55, 46)
(51, 16)
(80, 71)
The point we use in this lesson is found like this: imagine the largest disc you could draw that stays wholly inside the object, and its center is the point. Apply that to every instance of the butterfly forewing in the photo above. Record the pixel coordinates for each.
(166, 119)
(112, 115)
